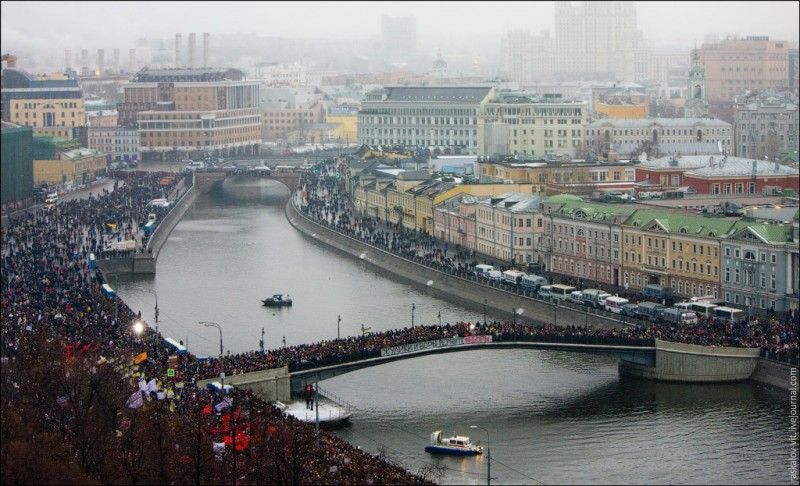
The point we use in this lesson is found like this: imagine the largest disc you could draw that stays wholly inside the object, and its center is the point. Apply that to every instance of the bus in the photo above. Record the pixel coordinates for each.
(179, 348)
(284, 168)
(107, 291)
(729, 314)
(703, 309)
(560, 291)
(92, 262)
(149, 227)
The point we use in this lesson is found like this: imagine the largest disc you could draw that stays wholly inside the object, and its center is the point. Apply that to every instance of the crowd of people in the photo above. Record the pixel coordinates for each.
(48, 289)
(324, 199)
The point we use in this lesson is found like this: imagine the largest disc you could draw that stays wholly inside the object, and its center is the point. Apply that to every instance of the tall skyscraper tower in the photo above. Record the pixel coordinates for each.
(596, 40)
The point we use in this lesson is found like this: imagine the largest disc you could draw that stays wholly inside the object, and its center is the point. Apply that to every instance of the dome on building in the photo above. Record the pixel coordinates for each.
(439, 65)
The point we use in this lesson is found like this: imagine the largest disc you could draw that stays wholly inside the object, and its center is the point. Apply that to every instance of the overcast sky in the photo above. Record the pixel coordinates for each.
(60, 25)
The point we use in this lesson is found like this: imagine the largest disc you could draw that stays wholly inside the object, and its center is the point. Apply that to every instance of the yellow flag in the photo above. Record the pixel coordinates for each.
(139, 358)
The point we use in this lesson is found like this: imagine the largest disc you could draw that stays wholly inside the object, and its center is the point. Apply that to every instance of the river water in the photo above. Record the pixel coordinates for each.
(553, 417)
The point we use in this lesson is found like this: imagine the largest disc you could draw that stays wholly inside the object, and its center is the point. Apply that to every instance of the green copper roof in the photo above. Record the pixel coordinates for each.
(561, 199)
(595, 211)
(769, 233)
(682, 223)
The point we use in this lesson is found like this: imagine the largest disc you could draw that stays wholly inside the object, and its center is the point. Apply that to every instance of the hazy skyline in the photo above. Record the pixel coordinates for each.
(59, 25)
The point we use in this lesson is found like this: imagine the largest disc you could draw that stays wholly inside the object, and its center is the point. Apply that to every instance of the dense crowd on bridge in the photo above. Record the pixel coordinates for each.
(50, 297)
(323, 198)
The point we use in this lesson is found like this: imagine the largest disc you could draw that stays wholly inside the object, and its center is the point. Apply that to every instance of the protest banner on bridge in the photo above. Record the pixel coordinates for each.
(437, 343)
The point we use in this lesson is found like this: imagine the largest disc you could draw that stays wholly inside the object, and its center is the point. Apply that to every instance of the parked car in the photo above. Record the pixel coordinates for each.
(543, 292)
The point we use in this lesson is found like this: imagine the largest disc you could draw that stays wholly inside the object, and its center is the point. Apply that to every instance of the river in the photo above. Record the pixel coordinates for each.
(553, 417)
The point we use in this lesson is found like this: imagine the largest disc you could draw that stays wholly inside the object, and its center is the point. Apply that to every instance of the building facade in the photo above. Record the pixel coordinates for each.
(444, 120)
(79, 165)
(16, 164)
(192, 112)
(733, 66)
(765, 125)
(657, 131)
(509, 227)
(281, 122)
(538, 126)
(759, 273)
(42, 103)
(584, 176)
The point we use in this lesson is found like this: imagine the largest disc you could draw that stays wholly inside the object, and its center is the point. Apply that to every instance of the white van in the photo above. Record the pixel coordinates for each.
(482, 269)
(494, 275)
(513, 277)
(560, 291)
(576, 297)
(544, 292)
(614, 304)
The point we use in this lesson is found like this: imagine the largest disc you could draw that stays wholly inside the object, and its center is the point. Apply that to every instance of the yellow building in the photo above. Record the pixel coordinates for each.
(541, 174)
(621, 110)
(50, 112)
(348, 120)
(79, 165)
(672, 249)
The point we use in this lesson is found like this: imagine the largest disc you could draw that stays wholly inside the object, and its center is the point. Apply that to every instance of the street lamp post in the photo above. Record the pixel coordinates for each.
(413, 306)
(488, 454)
(338, 325)
(222, 366)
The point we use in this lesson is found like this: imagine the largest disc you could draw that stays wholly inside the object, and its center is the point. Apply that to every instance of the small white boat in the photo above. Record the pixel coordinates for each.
(457, 445)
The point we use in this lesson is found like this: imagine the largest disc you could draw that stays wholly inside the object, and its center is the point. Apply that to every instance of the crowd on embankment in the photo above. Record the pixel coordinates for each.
(78, 382)
(323, 198)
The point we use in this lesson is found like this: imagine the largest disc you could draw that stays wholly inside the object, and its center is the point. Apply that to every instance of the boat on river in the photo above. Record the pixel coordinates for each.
(457, 445)
(277, 300)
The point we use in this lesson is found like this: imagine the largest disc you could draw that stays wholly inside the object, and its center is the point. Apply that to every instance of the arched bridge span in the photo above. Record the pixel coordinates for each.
(207, 179)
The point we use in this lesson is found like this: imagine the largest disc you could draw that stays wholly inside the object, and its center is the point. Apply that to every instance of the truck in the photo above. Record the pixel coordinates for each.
(657, 293)
(482, 269)
(594, 297)
(650, 311)
(532, 283)
(513, 277)
(679, 316)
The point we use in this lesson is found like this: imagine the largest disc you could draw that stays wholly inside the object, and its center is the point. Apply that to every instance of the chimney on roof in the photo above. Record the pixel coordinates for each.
(191, 50)
(755, 167)
(206, 39)
(177, 50)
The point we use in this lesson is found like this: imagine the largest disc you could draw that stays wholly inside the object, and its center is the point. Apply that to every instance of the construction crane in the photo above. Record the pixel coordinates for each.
(10, 59)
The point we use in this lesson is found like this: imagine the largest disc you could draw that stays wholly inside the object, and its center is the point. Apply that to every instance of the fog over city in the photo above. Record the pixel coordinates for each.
(471, 29)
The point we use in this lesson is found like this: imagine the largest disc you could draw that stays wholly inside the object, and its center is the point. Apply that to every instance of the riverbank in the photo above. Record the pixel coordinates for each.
(448, 286)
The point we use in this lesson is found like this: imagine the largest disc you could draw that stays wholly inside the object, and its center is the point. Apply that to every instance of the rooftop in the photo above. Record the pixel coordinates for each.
(664, 122)
(676, 222)
(736, 166)
(447, 94)
(192, 75)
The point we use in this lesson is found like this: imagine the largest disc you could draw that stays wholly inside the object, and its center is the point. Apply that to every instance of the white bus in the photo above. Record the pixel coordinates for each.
(729, 314)
(614, 304)
(560, 291)
(703, 309)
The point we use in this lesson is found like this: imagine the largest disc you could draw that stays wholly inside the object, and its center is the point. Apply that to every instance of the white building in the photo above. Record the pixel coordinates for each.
(444, 119)
(122, 143)
(665, 133)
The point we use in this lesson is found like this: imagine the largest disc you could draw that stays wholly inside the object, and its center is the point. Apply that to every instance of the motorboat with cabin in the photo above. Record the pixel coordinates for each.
(277, 300)
(457, 445)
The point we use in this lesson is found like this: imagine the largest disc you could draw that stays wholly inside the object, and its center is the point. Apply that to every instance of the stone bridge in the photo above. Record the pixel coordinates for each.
(661, 361)
(206, 179)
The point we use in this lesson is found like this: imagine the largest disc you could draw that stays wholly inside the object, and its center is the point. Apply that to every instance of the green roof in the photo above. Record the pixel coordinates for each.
(792, 155)
(674, 222)
(769, 233)
(561, 199)
(595, 211)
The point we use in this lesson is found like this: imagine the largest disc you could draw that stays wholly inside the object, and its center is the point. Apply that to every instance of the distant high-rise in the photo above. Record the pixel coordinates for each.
(399, 34)
(115, 67)
(596, 40)
(755, 63)
(525, 57)
(67, 59)
(132, 60)
(84, 62)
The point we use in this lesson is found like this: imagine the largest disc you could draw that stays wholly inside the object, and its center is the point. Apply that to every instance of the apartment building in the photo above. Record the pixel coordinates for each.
(525, 57)
(51, 105)
(661, 133)
(509, 227)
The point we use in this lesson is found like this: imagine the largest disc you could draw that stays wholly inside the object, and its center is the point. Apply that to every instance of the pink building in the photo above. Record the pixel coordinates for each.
(454, 221)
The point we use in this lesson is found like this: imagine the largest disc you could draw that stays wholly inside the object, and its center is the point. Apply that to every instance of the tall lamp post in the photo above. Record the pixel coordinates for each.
(221, 365)
(413, 306)
(338, 325)
(488, 454)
